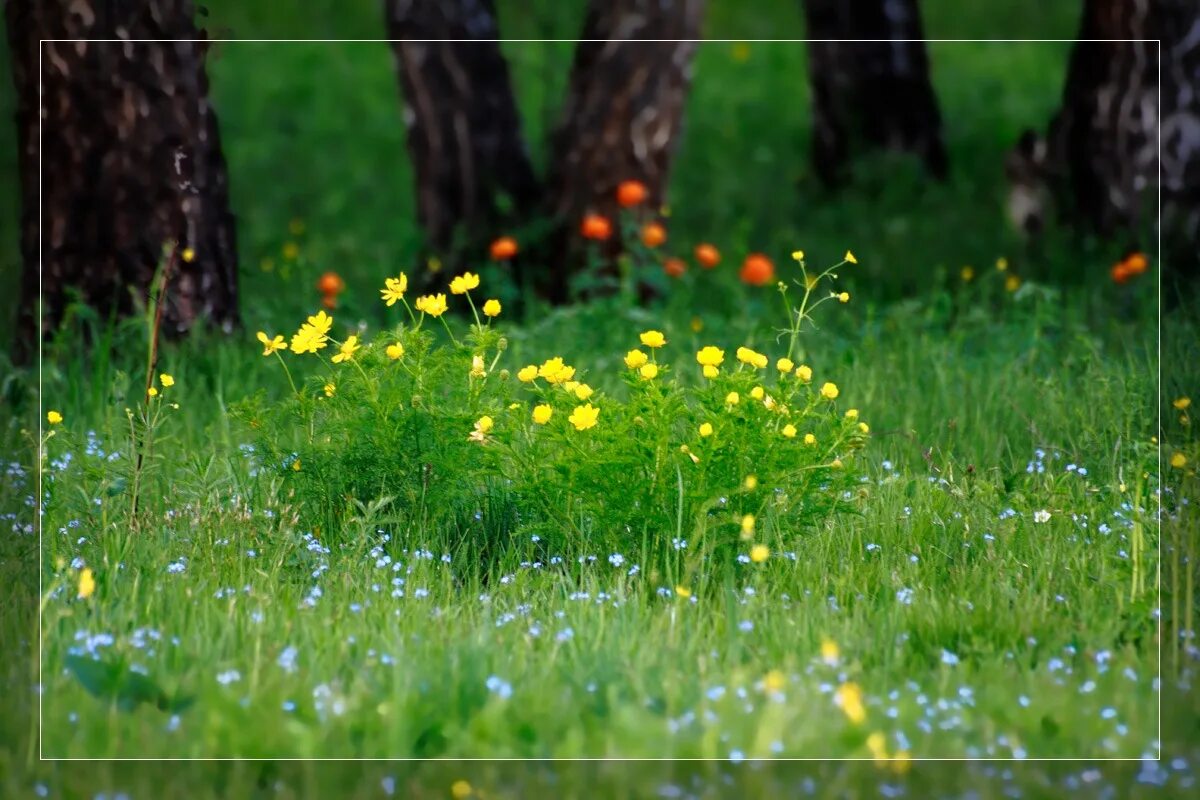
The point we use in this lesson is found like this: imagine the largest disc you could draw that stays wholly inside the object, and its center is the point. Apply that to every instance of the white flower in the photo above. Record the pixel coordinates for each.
(1041, 516)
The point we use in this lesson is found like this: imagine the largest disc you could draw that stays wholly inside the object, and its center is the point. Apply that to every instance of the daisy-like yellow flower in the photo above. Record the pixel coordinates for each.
(757, 393)
(527, 374)
(829, 652)
(750, 483)
(789, 431)
(1182, 403)
(759, 553)
(748, 356)
(394, 351)
(347, 350)
(584, 417)
(706, 429)
(485, 424)
(477, 370)
(804, 373)
(491, 308)
(732, 399)
(843, 297)
(542, 414)
(653, 339)
(188, 255)
(785, 364)
(810, 439)
(849, 697)
(829, 391)
(87, 583)
(313, 334)
(648, 371)
(152, 391)
(583, 391)
(747, 525)
(635, 359)
(555, 371)
(849, 257)
(394, 288)
(798, 255)
(683, 592)
(330, 389)
(432, 304)
(852, 413)
(271, 343)
(464, 283)
(321, 322)
(53, 417)
(166, 380)
(1179, 461)
(710, 356)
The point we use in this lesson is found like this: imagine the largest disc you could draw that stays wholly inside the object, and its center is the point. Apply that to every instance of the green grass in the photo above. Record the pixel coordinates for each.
(1052, 625)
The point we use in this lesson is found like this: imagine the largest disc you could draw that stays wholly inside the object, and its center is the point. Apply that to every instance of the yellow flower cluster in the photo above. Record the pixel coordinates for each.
(313, 334)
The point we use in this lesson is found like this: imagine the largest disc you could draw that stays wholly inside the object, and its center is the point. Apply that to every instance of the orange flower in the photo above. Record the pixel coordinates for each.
(631, 193)
(504, 248)
(595, 227)
(1120, 273)
(331, 284)
(674, 267)
(707, 256)
(1136, 263)
(653, 234)
(757, 270)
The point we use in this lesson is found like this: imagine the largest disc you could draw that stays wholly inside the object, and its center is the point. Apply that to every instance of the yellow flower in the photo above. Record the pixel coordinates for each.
(555, 371)
(87, 583)
(747, 526)
(709, 371)
(432, 304)
(732, 399)
(901, 762)
(346, 351)
(844, 297)
(460, 790)
(291, 251)
(852, 413)
(849, 697)
(528, 374)
(320, 321)
(271, 343)
(798, 255)
(706, 429)
(394, 289)
(1179, 461)
(1002, 263)
(188, 255)
(810, 439)
(53, 417)
(653, 339)
(313, 334)
(1182, 403)
(477, 370)
(152, 391)
(829, 391)
(635, 359)
(485, 424)
(491, 308)
(464, 283)
(829, 652)
(542, 414)
(394, 351)
(759, 553)
(1012, 283)
(330, 389)
(784, 364)
(750, 483)
(877, 744)
(789, 431)
(584, 417)
(166, 380)
(648, 371)
(757, 393)
(864, 427)
(850, 257)
(804, 373)
(748, 356)
(583, 391)
(968, 274)
(710, 356)
(683, 592)
(774, 682)
(296, 465)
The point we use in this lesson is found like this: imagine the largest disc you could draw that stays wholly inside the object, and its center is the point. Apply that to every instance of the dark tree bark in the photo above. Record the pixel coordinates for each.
(464, 132)
(130, 161)
(621, 116)
(1099, 163)
(875, 91)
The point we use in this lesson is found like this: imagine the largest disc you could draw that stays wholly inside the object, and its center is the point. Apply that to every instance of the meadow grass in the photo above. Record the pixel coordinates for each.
(994, 592)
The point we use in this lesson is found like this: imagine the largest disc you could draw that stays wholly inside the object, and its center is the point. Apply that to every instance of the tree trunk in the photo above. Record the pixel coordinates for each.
(1100, 160)
(877, 91)
(464, 133)
(621, 116)
(129, 162)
